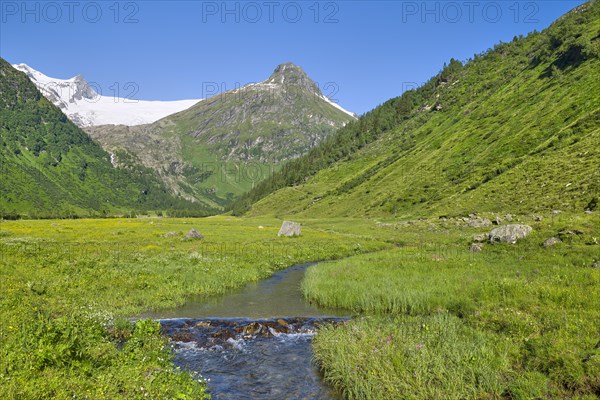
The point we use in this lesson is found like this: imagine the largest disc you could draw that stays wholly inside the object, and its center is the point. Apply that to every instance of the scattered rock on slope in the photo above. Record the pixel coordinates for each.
(551, 242)
(476, 247)
(480, 223)
(193, 234)
(481, 238)
(510, 233)
(289, 228)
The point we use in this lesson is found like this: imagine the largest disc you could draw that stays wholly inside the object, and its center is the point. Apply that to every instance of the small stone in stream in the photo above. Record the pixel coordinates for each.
(193, 234)
(252, 328)
(223, 335)
(171, 234)
(182, 337)
(289, 228)
(551, 242)
(481, 237)
(282, 322)
(476, 247)
(203, 324)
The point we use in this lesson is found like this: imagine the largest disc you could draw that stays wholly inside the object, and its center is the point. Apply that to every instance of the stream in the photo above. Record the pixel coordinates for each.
(254, 342)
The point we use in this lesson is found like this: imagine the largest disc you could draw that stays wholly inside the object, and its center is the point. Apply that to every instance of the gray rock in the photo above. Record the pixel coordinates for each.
(537, 218)
(551, 242)
(510, 233)
(480, 223)
(171, 234)
(481, 238)
(508, 217)
(193, 234)
(289, 228)
(497, 220)
(556, 211)
(588, 211)
(596, 264)
(476, 247)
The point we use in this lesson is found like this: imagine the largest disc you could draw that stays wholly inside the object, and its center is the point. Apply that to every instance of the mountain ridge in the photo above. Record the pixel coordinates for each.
(82, 103)
(261, 124)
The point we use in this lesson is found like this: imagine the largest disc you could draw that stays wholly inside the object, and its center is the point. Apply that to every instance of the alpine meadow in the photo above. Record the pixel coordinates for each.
(260, 241)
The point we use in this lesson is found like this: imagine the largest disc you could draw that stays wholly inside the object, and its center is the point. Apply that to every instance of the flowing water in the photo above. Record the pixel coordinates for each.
(255, 342)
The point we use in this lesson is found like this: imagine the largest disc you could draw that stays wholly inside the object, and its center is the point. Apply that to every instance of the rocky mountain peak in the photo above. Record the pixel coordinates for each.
(291, 74)
(81, 89)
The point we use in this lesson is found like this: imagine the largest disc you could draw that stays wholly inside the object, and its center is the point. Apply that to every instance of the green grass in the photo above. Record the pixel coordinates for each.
(67, 286)
(514, 321)
(428, 357)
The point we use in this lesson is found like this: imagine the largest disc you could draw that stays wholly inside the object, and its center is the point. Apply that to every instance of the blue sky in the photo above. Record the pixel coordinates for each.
(360, 53)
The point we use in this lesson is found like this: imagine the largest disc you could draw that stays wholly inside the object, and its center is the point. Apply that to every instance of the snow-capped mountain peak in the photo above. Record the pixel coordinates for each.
(85, 106)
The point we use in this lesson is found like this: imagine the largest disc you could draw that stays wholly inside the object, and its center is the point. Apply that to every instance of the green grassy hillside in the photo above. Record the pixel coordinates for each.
(515, 129)
(51, 167)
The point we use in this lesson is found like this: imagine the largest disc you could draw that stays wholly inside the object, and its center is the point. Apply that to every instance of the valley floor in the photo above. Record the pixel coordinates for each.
(433, 319)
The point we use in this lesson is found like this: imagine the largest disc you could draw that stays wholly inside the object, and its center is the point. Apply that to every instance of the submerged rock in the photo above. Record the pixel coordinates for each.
(510, 233)
(289, 228)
